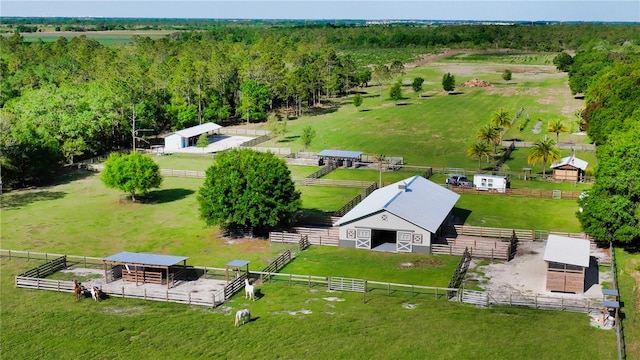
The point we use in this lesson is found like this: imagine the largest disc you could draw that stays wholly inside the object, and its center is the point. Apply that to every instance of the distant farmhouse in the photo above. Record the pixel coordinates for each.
(405, 217)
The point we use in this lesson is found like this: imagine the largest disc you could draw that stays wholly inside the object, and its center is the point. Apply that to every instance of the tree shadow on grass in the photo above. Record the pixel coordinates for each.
(165, 196)
(289, 139)
(12, 201)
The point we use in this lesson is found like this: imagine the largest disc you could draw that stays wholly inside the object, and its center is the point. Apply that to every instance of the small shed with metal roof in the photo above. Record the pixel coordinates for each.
(339, 158)
(189, 136)
(567, 261)
(405, 216)
(569, 168)
(145, 268)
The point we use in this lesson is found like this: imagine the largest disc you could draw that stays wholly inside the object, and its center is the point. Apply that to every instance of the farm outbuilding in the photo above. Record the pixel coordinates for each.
(145, 268)
(188, 137)
(567, 263)
(491, 182)
(405, 217)
(569, 168)
(339, 158)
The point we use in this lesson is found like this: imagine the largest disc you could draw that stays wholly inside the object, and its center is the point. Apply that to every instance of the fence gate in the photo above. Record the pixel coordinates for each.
(363, 239)
(346, 284)
(404, 241)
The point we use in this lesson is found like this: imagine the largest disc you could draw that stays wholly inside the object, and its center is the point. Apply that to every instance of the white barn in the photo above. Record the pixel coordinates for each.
(188, 137)
(404, 217)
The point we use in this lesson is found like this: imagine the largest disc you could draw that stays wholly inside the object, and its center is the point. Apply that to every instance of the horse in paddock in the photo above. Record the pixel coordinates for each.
(249, 290)
(242, 316)
(77, 290)
(95, 293)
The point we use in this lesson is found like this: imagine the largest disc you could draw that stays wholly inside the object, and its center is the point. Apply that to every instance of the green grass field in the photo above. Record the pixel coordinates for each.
(80, 216)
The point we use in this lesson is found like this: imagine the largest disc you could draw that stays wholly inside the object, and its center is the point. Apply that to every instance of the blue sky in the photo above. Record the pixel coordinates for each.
(499, 10)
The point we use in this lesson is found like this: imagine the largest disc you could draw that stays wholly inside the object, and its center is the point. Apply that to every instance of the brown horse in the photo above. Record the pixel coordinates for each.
(76, 289)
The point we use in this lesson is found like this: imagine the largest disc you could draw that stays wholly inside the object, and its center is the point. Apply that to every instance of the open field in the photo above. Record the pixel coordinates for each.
(105, 37)
(79, 216)
(315, 324)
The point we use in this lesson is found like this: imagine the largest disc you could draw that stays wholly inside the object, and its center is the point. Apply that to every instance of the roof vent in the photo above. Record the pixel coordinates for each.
(402, 187)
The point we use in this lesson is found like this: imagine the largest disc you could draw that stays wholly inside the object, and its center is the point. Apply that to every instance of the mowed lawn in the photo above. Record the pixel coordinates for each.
(289, 322)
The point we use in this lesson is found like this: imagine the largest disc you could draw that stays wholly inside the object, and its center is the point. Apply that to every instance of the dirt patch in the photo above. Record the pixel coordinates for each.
(526, 274)
(421, 263)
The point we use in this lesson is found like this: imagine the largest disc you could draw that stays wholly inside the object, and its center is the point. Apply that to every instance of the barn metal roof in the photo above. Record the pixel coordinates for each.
(197, 130)
(341, 153)
(566, 250)
(421, 202)
(571, 160)
(145, 259)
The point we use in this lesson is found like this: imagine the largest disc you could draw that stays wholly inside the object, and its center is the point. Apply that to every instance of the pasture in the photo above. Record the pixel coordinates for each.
(80, 216)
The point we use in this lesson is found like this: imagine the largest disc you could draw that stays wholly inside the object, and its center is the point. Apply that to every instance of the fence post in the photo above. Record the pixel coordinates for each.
(123, 291)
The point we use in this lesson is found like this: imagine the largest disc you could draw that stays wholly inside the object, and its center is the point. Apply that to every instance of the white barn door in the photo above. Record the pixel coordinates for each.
(363, 239)
(404, 241)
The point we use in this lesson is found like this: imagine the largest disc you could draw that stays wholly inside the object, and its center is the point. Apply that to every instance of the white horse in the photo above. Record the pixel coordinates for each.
(242, 316)
(95, 293)
(248, 290)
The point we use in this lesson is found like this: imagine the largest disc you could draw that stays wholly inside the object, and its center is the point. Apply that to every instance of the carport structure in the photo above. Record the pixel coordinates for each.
(339, 158)
(145, 268)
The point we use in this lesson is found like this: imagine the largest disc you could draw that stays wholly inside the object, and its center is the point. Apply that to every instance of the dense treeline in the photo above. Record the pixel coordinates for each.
(610, 79)
(71, 98)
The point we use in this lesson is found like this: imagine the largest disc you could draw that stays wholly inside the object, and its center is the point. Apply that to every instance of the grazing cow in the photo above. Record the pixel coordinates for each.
(248, 290)
(95, 293)
(242, 316)
(77, 290)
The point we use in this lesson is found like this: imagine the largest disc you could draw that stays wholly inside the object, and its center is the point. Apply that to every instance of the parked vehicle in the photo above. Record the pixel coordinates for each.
(459, 180)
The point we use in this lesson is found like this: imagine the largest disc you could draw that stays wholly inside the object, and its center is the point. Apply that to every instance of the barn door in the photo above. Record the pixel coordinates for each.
(363, 239)
(403, 241)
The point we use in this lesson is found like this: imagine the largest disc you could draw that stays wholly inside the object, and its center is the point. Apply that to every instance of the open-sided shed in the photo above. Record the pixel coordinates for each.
(567, 261)
(145, 268)
(339, 157)
(189, 136)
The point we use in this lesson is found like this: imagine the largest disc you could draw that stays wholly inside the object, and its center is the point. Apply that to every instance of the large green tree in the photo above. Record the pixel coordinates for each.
(254, 101)
(248, 189)
(132, 173)
(611, 210)
(544, 151)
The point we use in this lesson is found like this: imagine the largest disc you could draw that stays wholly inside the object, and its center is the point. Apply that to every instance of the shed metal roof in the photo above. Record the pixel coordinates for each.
(341, 153)
(566, 250)
(197, 130)
(145, 259)
(421, 202)
(237, 263)
(571, 160)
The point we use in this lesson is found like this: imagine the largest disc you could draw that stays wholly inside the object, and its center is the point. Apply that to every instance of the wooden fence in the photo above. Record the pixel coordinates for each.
(565, 146)
(356, 200)
(482, 298)
(322, 172)
(337, 183)
(304, 243)
(505, 233)
(532, 193)
(34, 255)
(235, 285)
(255, 141)
(275, 266)
(346, 284)
(183, 173)
(460, 272)
(47, 268)
(248, 132)
(273, 150)
(315, 236)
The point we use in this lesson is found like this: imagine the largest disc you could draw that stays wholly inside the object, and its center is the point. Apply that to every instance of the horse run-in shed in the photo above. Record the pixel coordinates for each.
(339, 158)
(569, 168)
(567, 261)
(145, 268)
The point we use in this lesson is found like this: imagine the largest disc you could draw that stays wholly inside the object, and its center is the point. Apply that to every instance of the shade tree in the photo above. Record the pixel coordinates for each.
(132, 173)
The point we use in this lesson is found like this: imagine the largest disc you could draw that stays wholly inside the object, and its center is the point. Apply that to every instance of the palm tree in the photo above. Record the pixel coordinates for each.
(543, 151)
(479, 149)
(557, 126)
(501, 120)
(489, 134)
